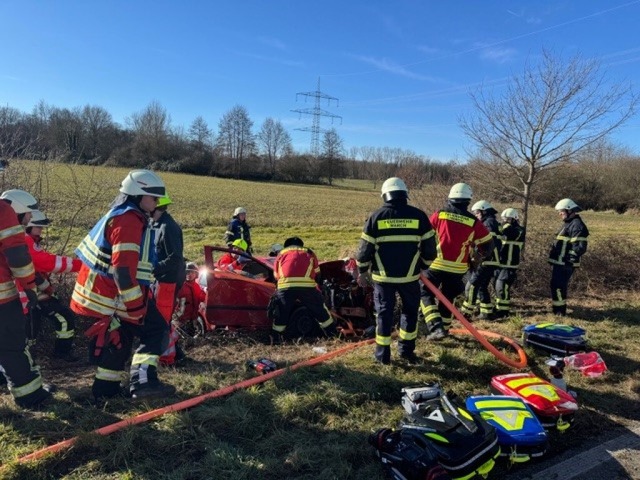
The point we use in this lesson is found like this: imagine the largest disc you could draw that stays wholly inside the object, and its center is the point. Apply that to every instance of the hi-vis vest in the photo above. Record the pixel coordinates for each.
(95, 251)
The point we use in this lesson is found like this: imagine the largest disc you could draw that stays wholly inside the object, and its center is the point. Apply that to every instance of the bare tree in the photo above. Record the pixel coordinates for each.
(200, 134)
(275, 142)
(332, 156)
(152, 128)
(547, 115)
(16, 138)
(99, 129)
(235, 137)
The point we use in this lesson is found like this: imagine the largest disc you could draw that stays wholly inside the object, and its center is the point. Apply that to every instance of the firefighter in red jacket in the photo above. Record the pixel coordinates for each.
(190, 297)
(16, 268)
(457, 232)
(118, 257)
(233, 262)
(49, 305)
(297, 270)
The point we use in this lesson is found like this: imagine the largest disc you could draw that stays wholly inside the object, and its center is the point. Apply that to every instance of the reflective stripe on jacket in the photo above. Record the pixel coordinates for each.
(396, 243)
(296, 267)
(457, 231)
(570, 243)
(513, 236)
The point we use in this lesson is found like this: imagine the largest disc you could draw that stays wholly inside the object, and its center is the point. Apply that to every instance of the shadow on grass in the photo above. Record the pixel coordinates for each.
(627, 315)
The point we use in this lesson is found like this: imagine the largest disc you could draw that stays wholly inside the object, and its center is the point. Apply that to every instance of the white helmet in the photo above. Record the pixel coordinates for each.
(239, 210)
(21, 201)
(275, 249)
(482, 205)
(393, 188)
(510, 213)
(460, 191)
(38, 219)
(143, 182)
(567, 204)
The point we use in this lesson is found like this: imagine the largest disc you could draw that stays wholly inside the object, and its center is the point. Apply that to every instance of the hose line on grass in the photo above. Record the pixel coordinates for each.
(479, 334)
(191, 402)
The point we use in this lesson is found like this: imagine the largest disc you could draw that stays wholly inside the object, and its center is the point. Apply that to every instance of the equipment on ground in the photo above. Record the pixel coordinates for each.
(554, 407)
(262, 365)
(556, 338)
(590, 364)
(413, 397)
(520, 434)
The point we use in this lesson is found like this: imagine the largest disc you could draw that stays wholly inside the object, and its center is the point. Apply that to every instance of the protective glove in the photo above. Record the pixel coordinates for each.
(32, 299)
(364, 279)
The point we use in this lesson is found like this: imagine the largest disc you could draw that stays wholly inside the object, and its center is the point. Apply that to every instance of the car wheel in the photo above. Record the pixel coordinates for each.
(302, 324)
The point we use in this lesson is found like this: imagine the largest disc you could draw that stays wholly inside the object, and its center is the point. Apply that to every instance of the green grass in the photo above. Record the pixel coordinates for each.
(312, 423)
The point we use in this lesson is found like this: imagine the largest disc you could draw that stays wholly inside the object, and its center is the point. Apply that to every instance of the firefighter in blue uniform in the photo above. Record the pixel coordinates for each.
(396, 244)
(569, 246)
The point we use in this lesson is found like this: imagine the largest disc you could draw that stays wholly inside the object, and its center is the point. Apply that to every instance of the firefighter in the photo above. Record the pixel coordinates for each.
(480, 277)
(569, 246)
(231, 261)
(169, 272)
(112, 286)
(238, 228)
(49, 305)
(297, 273)
(190, 299)
(16, 268)
(457, 232)
(396, 244)
(513, 237)
(275, 249)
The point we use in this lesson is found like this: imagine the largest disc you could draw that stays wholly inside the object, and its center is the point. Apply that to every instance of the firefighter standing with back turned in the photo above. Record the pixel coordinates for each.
(396, 244)
(118, 256)
(23, 377)
(477, 288)
(513, 237)
(457, 232)
(570, 244)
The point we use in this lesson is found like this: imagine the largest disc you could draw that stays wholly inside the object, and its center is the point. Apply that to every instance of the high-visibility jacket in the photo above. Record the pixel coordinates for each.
(296, 267)
(229, 262)
(16, 267)
(117, 256)
(457, 231)
(45, 262)
(396, 243)
(570, 243)
(513, 236)
(490, 222)
(190, 296)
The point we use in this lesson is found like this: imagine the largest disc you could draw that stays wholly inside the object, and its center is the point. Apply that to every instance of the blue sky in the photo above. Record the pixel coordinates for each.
(402, 70)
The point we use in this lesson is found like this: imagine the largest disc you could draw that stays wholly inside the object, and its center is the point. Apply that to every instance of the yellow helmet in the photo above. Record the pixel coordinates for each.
(164, 201)
(240, 244)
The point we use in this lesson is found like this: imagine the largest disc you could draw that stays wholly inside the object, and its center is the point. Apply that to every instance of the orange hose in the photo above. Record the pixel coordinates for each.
(192, 402)
(479, 334)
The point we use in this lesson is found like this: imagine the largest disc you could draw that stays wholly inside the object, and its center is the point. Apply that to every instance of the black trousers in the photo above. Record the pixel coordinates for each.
(435, 313)
(560, 276)
(505, 278)
(62, 318)
(154, 339)
(384, 296)
(23, 378)
(477, 288)
(309, 297)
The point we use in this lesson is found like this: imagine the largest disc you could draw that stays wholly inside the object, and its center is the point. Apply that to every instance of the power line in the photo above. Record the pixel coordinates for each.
(316, 112)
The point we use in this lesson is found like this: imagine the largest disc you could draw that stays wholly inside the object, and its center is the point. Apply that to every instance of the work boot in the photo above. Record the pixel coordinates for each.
(437, 335)
(156, 389)
(331, 331)
(38, 399)
(500, 314)
(486, 316)
(411, 358)
(383, 355)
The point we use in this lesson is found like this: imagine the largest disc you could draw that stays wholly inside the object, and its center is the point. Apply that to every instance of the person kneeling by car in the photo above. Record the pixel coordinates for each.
(297, 272)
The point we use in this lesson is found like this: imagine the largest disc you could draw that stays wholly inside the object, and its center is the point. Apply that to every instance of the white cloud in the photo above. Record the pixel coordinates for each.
(273, 42)
(390, 66)
(496, 54)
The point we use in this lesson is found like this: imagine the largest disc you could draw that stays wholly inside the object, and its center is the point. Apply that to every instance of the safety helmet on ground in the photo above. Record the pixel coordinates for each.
(239, 210)
(460, 191)
(275, 249)
(510, 213)
(394, 188)
(293, 241)
(143, 182)
(164, 201)
(567, 204)
(21, 201)
(240, 244)
(192, 267)
(38, 219)
(483, 206)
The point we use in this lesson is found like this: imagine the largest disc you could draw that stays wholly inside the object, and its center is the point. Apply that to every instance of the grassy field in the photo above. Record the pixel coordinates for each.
(312, 423)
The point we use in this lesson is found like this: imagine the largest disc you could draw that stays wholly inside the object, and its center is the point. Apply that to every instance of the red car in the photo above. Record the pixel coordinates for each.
(240, 298)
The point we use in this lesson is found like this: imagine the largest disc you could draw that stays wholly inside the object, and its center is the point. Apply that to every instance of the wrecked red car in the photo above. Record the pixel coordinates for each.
(239, 298)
